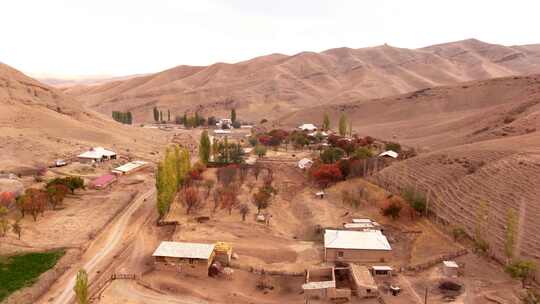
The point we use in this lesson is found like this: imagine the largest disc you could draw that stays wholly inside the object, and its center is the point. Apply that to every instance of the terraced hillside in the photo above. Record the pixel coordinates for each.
(503, 174)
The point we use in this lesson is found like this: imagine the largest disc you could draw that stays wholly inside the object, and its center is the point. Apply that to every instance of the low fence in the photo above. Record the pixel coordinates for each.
(260, 270)
(167, 223)
(435, 261)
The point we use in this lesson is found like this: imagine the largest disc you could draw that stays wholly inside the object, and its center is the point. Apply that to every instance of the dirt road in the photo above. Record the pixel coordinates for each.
(102, 250)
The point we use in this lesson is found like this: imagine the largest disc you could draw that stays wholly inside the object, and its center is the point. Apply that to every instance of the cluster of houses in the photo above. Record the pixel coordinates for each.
(99, 155)
(354, 257)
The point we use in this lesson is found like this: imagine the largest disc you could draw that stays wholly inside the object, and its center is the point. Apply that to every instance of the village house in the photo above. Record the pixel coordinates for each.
(356, 246)
(224, 123)
(188, 258)
(97, 154)
(308, 127)
(129, 168)
(103, 182)
(450, 269)
(339, 283)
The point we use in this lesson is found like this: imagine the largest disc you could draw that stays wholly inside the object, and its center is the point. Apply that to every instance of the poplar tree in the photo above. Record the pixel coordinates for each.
(156, 114)
(343, 125)
(204, 148)
(81, 287)
(233, 115)
(168, 115)
(326, 122)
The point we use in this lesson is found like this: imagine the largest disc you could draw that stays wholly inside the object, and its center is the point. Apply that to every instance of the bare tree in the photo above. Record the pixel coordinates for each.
(192, 199)
(17, 228)
(227, 175)
(244, 211)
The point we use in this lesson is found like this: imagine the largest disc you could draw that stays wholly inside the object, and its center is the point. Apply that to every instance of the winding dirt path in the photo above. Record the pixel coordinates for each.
(101, 251)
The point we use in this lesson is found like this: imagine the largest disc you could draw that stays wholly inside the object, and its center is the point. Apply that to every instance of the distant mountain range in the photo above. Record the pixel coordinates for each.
(274, 85)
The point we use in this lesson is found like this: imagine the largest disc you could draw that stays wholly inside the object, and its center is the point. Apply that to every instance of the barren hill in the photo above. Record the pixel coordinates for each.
(39, 123)
(434, 118)
(273, 85)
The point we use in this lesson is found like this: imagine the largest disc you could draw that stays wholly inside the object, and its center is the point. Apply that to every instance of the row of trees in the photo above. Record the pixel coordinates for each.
(123, 117)
(190, 121)
(35, 201)
(171, 175)
(344, 126)
(158, 115)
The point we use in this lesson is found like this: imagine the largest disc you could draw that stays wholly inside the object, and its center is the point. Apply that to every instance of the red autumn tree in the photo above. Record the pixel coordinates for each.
(6, 199)
(265, 139)
(33, 201)
(326, 174)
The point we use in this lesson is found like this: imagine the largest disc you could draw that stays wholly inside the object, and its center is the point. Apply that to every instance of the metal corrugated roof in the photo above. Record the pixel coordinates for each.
(450, 264)
(130, 166)
(364, 240)
(184, 250)
(390, 153)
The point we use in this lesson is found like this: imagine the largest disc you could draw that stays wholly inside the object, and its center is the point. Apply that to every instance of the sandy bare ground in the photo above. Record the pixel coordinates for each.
(99, 253)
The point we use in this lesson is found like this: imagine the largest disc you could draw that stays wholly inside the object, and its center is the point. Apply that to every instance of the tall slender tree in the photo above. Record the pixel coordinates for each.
(326, 122)
(156, 114)
(81, 287)
(160, 116)
(204, 148)
(233, 115)
(168, 115)
(343, 125)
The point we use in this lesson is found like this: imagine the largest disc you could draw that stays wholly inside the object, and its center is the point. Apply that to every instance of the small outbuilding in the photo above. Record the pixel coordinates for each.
(305, 163)
(188, 258)
(308, 127)
(450, 269)
(129, 168)
(382, 271)
(103, 181)
(320, 283)
(356, 246)
(389, 153)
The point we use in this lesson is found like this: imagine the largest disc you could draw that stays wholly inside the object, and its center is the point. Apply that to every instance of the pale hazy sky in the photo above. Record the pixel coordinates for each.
(121, 37)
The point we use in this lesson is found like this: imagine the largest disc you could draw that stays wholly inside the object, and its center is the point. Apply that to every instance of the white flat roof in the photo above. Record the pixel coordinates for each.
(219, 131)
(390, 153)
(363, 240)
(358, 225)
(184, 250)
(309, 127)
(450, 264)
(97, 153)
(130, 166)
(382, 268)
(361, 220)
